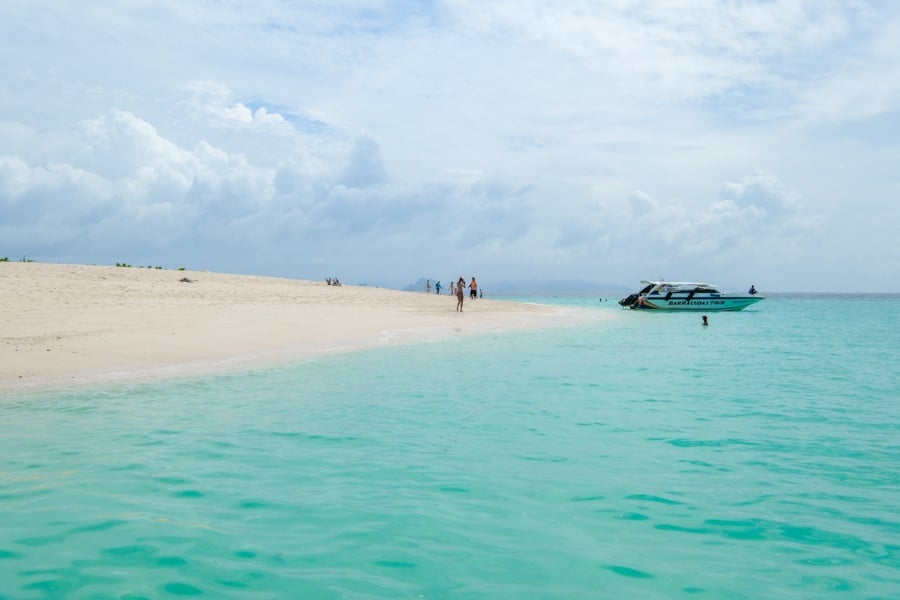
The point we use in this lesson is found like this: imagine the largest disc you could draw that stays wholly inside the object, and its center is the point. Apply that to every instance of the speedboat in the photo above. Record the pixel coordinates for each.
(683, 295)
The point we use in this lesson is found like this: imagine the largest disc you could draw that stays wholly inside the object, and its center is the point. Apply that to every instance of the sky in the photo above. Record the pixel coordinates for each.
(731, 142)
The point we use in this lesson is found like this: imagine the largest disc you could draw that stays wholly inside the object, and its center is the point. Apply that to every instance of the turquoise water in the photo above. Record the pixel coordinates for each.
(640, 457)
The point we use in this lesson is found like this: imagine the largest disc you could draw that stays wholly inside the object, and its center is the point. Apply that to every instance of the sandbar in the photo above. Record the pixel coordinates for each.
(66, 325)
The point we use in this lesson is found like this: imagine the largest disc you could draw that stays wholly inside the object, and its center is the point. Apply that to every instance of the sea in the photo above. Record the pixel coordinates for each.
(637, 455)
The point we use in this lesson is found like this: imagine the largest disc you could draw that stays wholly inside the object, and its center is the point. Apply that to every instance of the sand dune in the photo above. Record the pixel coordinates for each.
(76, 324)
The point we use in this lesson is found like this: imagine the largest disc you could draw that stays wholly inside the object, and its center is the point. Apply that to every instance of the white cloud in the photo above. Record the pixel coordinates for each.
(760, 191)
(642, 203)
(120, 145)
(859, 86)
(385, 142)
(365, 166)
(213, 99)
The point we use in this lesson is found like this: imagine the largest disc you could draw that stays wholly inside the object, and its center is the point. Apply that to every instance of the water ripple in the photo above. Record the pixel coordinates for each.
(537, 464)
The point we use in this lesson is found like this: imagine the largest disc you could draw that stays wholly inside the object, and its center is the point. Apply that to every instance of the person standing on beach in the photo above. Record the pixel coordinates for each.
(437, 288)
(427, 286)
(473, 289)
(460, 296)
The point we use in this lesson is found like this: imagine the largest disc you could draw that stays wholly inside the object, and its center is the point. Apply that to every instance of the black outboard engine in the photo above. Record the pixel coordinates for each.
(630, 300)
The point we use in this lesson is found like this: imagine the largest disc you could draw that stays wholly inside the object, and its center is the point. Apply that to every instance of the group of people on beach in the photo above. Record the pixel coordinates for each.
(457, 289)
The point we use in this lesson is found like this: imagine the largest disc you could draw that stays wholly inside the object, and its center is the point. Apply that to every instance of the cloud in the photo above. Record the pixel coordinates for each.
(560, 139)
(857, 87)
(761, 191)
(212, 100)
(642, 203)
(667, 50)
(120, 145)
(148, 194)
(365, 167)
(129, 179)
(48, 203)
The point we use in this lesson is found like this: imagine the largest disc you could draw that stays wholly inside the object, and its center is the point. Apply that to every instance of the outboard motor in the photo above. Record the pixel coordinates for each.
(629, 301)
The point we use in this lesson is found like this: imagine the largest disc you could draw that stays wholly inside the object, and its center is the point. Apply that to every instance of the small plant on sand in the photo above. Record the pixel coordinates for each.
(122, 264)
(4, 259)
(182, 269)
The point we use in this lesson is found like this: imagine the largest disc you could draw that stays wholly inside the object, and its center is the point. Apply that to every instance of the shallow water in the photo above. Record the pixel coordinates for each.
(644, 456)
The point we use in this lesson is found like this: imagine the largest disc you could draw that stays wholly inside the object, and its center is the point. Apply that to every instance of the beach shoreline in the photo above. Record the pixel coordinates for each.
(72, 325)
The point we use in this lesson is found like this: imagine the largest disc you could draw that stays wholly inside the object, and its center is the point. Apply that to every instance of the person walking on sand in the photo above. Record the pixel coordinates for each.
(473, 289)
(460, 296)
(437, 288)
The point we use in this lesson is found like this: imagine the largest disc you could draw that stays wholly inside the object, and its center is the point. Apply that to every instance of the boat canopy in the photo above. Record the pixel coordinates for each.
(677, 286)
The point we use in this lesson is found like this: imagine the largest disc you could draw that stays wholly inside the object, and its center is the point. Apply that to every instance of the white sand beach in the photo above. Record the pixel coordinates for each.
(78, 324)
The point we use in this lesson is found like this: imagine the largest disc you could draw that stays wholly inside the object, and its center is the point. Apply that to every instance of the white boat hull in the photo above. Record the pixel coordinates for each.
(662, 295)
(698, 303)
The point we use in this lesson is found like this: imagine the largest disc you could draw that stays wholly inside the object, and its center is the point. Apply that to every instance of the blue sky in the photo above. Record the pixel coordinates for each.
(732, 142)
